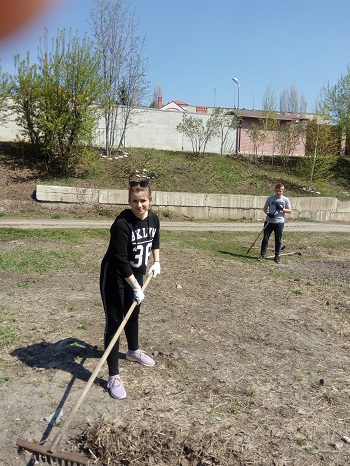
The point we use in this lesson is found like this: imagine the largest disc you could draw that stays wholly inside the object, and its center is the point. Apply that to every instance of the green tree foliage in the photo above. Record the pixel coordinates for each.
(257, 135)
(337, 102)
(55, 99)
(4, 94)
(271, 125)
(322, 146)
(198, 132)
(287, 138)
(25, 92)
(225, 124)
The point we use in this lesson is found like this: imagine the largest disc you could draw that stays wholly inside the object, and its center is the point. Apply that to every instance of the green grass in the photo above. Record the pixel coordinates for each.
(8, 332)
(211, 173)
(300, 441)
(30, 260)
(69, 235)
(38, 258)
(83, 325)
(182, 172)
(4, 378)
(31, 255)
(233, 245)
(24, 259)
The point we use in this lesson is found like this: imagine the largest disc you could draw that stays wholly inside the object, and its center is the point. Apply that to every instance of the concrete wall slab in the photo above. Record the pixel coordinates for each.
(201, 205)
(66, 194)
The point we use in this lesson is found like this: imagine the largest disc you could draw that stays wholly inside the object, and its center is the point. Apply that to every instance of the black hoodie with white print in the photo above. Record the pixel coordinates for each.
(131, 242)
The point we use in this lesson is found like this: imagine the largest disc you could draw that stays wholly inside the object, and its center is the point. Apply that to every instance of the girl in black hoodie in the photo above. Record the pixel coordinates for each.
(134, 235)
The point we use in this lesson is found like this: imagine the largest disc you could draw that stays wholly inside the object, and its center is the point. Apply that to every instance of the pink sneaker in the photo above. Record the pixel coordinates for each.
(140, 357)
(115, 387)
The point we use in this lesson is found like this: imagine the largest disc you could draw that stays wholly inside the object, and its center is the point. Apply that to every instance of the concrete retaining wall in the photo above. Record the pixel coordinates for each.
(204, 206)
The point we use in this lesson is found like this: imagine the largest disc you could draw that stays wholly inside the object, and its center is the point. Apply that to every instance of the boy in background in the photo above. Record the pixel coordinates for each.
(276, 207)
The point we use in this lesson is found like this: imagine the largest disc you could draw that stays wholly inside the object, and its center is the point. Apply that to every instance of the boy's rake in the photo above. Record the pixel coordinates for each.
(50, 454)
(256, 239)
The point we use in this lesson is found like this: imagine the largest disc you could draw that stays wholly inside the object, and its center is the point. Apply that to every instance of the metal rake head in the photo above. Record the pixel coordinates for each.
(43, 454)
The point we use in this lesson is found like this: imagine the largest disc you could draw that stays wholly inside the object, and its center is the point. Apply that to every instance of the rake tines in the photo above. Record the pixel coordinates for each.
(61, 458)
(51, 453)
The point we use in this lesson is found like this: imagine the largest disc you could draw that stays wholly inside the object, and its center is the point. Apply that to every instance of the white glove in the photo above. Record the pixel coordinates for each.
(138, 295)
(155, 269)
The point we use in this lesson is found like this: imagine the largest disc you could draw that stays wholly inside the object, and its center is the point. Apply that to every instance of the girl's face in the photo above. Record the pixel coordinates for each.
(139, 203)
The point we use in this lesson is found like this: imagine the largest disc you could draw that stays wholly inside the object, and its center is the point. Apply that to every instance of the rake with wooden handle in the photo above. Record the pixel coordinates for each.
(256, 239)
(50, 453)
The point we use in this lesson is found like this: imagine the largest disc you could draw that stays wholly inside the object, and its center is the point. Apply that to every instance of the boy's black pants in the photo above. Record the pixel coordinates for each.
(277, 228)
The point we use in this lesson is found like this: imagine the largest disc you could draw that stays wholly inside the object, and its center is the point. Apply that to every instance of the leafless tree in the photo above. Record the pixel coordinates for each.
(123, 65)
(291, 102)
(269, 100)
(270, 120)
(157, 92)
(284, 101)
(303, 105)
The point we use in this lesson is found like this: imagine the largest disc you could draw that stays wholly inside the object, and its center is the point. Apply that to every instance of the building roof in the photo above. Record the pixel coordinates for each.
(179, 102)
(242, 112)
(175, 105)
(179, 105)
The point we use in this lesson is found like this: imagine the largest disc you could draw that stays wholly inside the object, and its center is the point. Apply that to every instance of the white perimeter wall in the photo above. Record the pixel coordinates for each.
(149, 128)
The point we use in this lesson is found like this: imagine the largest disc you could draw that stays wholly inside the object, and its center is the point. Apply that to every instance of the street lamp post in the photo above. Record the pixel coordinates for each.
(236, 80)
(238, 135)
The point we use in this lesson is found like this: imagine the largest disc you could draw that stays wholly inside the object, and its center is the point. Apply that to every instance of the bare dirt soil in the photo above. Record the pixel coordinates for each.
(252, 360)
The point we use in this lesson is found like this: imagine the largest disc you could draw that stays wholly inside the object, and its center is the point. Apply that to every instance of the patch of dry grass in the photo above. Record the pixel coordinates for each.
(157, 444)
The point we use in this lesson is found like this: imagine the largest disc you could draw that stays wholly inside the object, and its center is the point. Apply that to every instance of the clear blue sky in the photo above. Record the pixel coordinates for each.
(195, 47)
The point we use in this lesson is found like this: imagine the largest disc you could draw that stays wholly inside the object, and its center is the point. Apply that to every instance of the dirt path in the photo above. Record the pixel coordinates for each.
(180, 226)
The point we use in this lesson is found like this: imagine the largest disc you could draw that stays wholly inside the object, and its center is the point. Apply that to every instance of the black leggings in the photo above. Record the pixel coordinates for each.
(117, 297)
(277, 228)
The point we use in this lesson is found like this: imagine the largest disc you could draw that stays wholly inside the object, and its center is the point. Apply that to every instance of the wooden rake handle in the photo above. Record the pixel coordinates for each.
(59, 435)
(256, 239)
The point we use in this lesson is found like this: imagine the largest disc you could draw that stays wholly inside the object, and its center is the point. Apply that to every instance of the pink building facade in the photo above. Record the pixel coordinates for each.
(245, 144)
